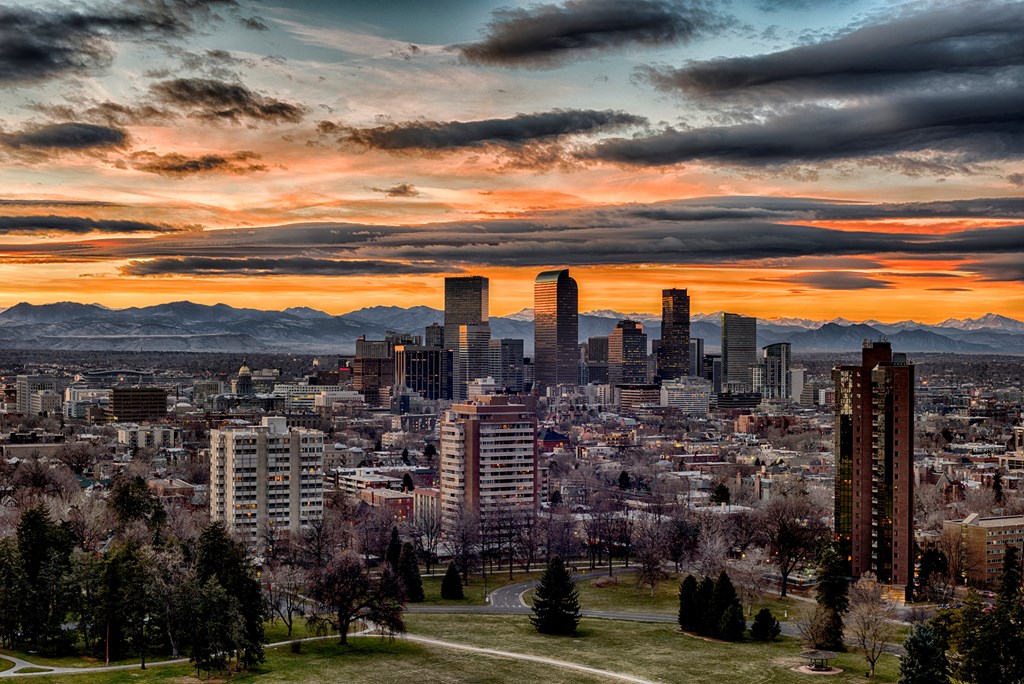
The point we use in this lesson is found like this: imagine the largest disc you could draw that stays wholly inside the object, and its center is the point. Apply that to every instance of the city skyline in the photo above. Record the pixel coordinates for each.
(854, 159)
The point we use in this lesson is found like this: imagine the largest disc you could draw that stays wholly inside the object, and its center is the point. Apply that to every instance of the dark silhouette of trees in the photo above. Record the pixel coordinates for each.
(345, 591)
(556, 605)
(765, 627)
(925, 660)
(451, 584)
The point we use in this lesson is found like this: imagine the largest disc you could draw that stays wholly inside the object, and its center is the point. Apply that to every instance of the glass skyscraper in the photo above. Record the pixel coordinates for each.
(555, 329)
(674, 351)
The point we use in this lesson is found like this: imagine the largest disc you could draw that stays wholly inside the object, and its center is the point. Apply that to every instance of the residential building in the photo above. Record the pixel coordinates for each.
(266, 475)
(984, 543)
(555, 329)
(690, 396)
(26, 385)
(488, 459)
(874, 451)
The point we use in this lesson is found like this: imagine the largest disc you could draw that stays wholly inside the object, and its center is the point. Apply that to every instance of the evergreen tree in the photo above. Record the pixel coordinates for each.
(765, 627)
(833, 596)
(997, 487)
(973, 637)
(688, 608)
(556, 605)
(451, 585)
(409, 574)
(707, 620)
(1009, 620)
(405, 458)
(721, 494)
(12, 592)
(727, 612)
(407, 484)
(45, 551)
(623, 480)
(925, 660)
(394, 550)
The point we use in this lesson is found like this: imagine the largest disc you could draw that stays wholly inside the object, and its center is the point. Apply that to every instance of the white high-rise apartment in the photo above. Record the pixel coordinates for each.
(488, 458)
(266, 475)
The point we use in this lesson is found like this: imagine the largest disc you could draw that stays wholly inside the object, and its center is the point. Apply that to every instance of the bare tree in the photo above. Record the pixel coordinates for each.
(748, 574)
(463, 539)
(961, 561)
(373, 532)
(650, 537)
(344, 591)
(871, 620)
(283, 587)
(426, 528)
(791, 530)
(528, 538)
(560, 536)
(816, 629)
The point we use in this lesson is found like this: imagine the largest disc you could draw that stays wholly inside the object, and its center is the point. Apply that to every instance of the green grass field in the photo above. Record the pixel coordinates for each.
(474, 591)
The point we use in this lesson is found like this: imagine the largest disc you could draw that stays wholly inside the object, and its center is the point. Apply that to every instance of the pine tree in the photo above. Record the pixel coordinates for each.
(721, 494)
(707, 619)
(556, 604)
(765, 627)
(688, 609)
(1010, 618)
(394, 550)
(925, 660)
(409, 573)
(727, 611)
(833, 596)
(451, 585)
(974, 637)
(407, 484)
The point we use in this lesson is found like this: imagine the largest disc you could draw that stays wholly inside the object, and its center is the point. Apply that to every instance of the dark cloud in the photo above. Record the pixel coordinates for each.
(399, 190)
(969, 127)
(37, 44)
(966, 39)
(517, 130)
(178, 165)
(215, 100)
(284, 266)
(78, 225)
(999, 268)
(1016, 179)
(546, 35)
(55, 203)
(65, 136)
(254, 24)
(949, 289)
(836, 280)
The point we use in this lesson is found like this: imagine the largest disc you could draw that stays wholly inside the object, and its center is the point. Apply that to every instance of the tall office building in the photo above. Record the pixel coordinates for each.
(373, 370)
(555, 329)
(267, 474)
(420, 369)
(627, 354)
(696, 357)
(466, 302)
(472, 357)
(488, 459)
(874, 447)
(138, 404)
(739, 351)
(674, 352)
(27, 385)
(775, 378)
(596, 360)
(507, 364)
(433, 335)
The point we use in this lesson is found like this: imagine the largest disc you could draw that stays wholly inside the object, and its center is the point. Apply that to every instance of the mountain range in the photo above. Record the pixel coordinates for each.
(185, 326)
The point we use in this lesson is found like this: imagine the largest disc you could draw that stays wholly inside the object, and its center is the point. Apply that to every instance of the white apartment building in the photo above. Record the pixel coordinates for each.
(142, 436)
(488, 458)
(266, 474)
(692, 396)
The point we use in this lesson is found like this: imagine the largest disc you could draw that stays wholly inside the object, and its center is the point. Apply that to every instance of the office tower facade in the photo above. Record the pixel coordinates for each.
(775, 382)
(433, 335)
(555, 329)
(696, 357)
(627, 354)
(267, 474)
(466, 302)
(420, 369)
(488, 459)
(138, 404)
(874, 448)
(472, 357)
(507, 364)
(27, 385)
(597, 360)
(739, 351)
(373, 370)
(674, 351)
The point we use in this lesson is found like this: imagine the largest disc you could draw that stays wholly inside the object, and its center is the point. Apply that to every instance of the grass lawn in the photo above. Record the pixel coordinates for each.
(653, 651)
(72, 660)
(365, 660)
(5, 665)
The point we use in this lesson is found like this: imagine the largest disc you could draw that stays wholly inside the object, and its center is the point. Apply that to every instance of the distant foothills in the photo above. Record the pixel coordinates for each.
(185, 326)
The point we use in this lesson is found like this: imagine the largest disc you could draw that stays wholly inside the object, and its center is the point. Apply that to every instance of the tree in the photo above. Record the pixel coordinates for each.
(997, 487)
(407, 484)
(282, 588)
(451, 585)
(650, 543)
(345, 591)
(463, 537)
(973, 638)
(427, 530)
(707, 620)
(925, 659)
(689, 609)
(45, 552)
(727, 612)
(720, 494)
(217, 627)
(394, 550)
(748, 574)
(406, 461)
(556, 605)
(1009, 618)
(832, 596)
(624, 480)
(429, 453)
(409, 574)
(816, 629)
(766, 627)
(12, 592)
(131, 500)
(791, 530)
(871, 619)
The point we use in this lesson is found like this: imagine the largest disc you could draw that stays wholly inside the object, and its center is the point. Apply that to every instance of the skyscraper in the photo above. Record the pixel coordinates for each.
(874, 448)
(674, 352)
(775, 380)
(465, 303)
(507, 364)
(472, 357)
(739, 351)
(555, 329)
(627, 354)
(419, 368)
(696, 357)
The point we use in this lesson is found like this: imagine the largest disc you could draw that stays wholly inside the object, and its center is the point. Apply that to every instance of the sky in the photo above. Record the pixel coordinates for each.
(778, 158)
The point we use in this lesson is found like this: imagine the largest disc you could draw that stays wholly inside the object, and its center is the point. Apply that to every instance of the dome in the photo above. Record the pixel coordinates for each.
(244, 370)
